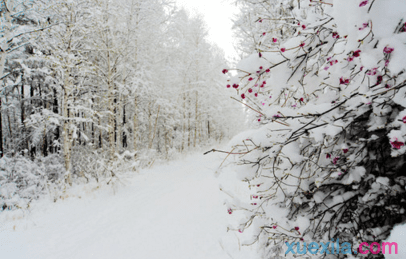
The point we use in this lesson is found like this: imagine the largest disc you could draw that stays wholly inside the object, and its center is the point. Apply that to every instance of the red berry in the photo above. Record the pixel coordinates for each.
(356, 53)
(335, 160)
(379, 79)
(397, 144)
(363, 3)
(344, 81)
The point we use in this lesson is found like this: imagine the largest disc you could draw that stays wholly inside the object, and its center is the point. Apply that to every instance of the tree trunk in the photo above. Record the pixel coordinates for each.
(3, 55)
(67, 124)
(135, 124)
(188, 129)
(10, 136)
(45, 143)
(32, 147)
(156, 122)
(1, 131)
(92, 125)
(116, 114)
(92, 129)
(79, 138)
(112, 125)
(100, 134)
(111, 99)
(208, 128)
(84, 128)
(184, 123)
(119, 122)
(55, 109)
(67, 132)
(22, 116)
(194, 141)
(124, 134)
(149, 123)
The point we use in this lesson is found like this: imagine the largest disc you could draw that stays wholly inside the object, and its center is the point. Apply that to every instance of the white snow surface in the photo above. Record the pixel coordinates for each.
(171, 211)
(398, 234)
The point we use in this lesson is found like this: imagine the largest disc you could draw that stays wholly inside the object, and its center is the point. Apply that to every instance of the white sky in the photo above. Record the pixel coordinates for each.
(217, 14)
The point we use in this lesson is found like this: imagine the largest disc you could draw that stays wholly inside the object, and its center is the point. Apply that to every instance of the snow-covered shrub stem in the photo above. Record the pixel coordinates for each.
(326, 86)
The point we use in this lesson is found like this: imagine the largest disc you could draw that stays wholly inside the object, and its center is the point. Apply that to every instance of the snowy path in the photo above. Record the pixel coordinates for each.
(171, 211)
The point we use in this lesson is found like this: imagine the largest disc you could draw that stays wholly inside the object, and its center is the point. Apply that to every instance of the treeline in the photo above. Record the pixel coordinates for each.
(129, 75)
(90, 80)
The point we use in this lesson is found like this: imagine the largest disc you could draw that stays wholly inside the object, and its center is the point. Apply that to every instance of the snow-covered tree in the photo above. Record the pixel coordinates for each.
(86, 84)
(325, 82)
(20, 22)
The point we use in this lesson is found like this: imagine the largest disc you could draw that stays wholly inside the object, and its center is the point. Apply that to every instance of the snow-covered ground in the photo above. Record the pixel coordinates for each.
(170, 211)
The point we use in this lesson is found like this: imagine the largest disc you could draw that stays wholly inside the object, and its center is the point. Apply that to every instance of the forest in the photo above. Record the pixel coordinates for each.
(310, 121)
(89, 84)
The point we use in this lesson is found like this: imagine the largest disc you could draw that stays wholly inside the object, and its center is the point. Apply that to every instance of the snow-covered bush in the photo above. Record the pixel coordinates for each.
(326, 85)
(23, 180)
